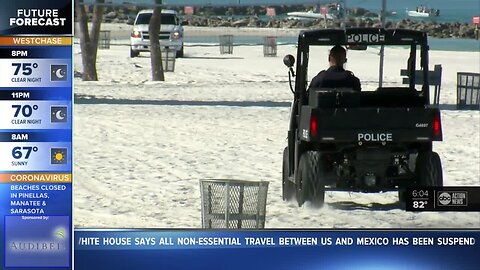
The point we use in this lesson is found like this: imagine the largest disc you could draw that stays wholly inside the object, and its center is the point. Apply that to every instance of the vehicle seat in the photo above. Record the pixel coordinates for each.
(333, 98)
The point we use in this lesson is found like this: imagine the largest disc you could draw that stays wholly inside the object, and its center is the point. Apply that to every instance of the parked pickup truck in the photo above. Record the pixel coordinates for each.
(369, 141)
(171, 32)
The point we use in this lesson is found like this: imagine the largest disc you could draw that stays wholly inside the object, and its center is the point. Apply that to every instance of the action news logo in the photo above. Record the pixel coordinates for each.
(452, 198)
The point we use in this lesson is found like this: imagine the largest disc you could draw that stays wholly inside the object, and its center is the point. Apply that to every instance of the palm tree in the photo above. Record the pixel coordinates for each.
(155, 54)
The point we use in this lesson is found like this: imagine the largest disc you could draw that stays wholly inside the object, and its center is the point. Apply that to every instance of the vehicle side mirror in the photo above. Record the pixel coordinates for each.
(289, 60)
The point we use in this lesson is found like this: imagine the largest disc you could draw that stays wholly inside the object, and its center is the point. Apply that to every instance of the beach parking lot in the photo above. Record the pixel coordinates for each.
(141, 147)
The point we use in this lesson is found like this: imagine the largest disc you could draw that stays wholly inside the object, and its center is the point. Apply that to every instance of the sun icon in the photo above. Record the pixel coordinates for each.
(59, 155)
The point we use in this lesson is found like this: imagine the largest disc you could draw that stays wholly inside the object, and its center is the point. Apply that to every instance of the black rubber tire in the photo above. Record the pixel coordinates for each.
(288, 187)
(318, 182)
(133, 53)
(180, 53)
(428, 169)
(309, 186)
(300, 179)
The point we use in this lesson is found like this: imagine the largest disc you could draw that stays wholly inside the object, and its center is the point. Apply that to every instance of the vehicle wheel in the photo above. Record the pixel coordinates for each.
(133, 53)
(318, 182)
(288, 187)
(428, 169)
(180, 53)
(301, 180)
(309, 186)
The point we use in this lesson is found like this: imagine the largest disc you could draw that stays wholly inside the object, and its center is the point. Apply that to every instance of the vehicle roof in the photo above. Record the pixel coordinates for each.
(164, 11)
(367, 36)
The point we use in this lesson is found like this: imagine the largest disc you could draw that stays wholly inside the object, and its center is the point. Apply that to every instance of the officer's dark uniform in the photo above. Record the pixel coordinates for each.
(335, 77)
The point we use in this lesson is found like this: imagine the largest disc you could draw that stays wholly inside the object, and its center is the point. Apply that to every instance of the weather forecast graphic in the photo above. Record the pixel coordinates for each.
(36, 134)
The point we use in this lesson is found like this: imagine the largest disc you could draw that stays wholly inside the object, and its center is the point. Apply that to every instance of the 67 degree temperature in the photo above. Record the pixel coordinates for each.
(23, 152)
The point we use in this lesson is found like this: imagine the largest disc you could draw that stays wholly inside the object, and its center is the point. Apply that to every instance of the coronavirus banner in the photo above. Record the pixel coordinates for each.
(36, 134)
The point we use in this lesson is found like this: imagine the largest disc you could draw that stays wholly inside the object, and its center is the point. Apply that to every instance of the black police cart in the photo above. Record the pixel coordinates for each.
(369, 141)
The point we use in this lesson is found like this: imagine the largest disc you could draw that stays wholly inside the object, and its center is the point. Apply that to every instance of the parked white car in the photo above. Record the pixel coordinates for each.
(171, 32)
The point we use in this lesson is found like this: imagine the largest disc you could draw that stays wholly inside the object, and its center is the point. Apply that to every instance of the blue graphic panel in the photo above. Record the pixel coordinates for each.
(36, 120)
(161, 249)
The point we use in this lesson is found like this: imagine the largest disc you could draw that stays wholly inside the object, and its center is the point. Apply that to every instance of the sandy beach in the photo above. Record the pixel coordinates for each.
(138, 161)
(122, 31)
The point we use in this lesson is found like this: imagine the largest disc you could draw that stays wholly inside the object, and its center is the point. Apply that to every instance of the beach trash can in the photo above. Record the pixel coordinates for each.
(104, 40)
(168, 59)
(468, 90)
(226, 44)
(270, 46)
(233, 204)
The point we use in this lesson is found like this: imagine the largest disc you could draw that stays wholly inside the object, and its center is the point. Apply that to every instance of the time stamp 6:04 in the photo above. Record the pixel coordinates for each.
(420, 198)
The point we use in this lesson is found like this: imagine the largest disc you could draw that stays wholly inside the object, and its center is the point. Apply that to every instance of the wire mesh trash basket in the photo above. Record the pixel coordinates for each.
(104, 40)
(270, 46)
(226, 44)
(233, 204)
(168, 59)
(468, 90)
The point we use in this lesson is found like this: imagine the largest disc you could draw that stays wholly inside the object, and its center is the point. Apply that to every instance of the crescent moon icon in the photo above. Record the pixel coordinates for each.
(59, 115)
(59, 74)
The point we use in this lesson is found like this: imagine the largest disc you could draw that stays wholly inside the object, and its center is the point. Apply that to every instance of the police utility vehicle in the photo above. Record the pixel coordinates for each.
(368, 141)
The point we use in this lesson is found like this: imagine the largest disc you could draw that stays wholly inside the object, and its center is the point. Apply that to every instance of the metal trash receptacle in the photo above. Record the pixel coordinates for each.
(270, 46)
(233, 204)
(168, 59)
(468, 90)
(226, 44)
(104, 40)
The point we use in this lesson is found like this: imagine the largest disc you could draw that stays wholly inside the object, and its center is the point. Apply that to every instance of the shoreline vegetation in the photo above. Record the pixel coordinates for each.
(248, 16)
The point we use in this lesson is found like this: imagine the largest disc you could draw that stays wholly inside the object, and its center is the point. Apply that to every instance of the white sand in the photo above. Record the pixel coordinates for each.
(122, 31)
(140, 165)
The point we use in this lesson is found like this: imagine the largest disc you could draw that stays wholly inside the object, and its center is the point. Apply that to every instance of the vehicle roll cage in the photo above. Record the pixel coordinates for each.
(363, 36)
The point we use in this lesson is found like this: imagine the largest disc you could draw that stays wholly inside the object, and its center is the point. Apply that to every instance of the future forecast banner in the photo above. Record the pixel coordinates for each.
(36, 134)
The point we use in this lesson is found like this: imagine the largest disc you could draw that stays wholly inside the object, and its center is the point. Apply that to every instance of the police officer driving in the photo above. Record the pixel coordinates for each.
(336, 76)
